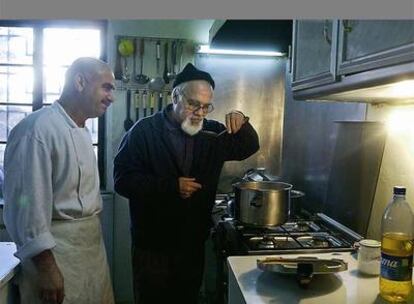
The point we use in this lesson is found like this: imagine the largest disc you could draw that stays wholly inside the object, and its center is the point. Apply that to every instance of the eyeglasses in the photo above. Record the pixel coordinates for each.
(195, 105)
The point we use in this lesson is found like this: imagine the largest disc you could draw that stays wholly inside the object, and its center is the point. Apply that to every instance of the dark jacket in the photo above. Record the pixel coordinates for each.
(146, 172)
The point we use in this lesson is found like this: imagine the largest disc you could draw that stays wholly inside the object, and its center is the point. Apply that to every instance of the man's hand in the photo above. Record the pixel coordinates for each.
(50, 278)
(188, 186)
(234, 121)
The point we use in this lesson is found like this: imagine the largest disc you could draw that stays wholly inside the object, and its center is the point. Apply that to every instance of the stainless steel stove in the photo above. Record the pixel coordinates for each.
(306, 233)
(320, 234)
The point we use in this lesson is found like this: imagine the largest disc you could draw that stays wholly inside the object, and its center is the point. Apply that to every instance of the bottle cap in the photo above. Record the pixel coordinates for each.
(370, 243)
(399, 190)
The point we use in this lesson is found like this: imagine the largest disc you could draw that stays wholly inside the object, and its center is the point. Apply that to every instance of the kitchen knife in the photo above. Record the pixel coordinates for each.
(152, 103)
(160, 98)
(167, 98)
(145, 102)
(137, 96)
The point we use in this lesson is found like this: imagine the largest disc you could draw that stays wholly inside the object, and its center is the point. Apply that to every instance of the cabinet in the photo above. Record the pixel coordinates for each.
(4, 236)
(370, 44)
(8, 269)
(314, 52)
(107, 223)
(9, 293)
(350, 55)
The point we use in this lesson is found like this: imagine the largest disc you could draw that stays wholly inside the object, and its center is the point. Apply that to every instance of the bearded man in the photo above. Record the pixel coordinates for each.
(168, 166)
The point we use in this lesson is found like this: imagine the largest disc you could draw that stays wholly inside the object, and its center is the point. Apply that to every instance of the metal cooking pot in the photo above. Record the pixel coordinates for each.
(262, 203)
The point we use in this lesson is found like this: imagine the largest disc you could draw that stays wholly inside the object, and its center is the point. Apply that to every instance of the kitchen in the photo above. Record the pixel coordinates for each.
(310, 118)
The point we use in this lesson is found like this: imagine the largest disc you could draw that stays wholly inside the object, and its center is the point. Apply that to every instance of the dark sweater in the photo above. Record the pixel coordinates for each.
(146, 172)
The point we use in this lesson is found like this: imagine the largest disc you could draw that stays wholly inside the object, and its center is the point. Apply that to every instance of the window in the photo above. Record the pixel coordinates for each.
(34, 57)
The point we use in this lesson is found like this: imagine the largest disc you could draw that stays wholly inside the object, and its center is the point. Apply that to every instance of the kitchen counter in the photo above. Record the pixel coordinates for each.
(250, 285)
(8, 262)
(8, 267)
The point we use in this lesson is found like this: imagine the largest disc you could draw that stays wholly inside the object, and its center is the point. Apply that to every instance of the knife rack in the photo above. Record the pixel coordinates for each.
(184, 51)
(144, 103)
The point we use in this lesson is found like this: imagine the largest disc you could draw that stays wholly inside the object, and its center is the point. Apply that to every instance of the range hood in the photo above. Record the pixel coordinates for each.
(258, 35)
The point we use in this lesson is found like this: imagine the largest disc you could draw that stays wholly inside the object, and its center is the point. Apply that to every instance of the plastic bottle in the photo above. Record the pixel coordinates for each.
(397, 229)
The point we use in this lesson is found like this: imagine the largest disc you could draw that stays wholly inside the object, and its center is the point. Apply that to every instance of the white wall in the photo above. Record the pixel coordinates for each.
(397, 166)
(196, 31)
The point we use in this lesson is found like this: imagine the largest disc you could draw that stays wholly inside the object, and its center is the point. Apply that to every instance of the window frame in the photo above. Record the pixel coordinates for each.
(38, 27)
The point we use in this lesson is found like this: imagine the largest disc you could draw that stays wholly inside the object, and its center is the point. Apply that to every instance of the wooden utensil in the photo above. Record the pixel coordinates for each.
(137, 96)
(145, 103)
(160, 98)
(152, 103)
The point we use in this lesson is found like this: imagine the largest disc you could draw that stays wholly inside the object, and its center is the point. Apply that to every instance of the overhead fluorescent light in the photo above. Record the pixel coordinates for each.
(205, 49)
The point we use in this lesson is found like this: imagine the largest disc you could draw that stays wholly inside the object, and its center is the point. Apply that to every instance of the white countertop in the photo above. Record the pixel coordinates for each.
(8, 262)
(250, 285)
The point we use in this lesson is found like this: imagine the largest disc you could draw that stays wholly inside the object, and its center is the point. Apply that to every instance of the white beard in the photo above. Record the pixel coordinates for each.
(190, 129)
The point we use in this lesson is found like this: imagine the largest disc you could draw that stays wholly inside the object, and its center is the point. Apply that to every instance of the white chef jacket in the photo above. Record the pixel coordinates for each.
(50, 174)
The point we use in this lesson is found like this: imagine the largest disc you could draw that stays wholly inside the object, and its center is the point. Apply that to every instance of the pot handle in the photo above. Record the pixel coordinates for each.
(257, 200)
(296, 193)
(248, 175)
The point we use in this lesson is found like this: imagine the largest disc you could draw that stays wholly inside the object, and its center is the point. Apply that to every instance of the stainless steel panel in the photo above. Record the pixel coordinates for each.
(107, 224)
(354, 173)
(309, 139)
(255, 86)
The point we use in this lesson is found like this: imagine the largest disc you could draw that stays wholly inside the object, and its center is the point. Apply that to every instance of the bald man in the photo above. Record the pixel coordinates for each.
(51, 193)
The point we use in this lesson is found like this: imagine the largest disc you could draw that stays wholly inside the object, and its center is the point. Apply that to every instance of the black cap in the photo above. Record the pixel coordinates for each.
(399, 190)
(190, 72)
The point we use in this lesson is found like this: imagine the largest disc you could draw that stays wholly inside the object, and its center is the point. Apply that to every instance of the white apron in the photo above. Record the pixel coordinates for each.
(80, 256)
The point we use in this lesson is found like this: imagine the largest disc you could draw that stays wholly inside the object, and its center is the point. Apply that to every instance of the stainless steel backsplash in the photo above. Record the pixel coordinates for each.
(335, 164)
(255, 86)
(332, 154)
(354, 173)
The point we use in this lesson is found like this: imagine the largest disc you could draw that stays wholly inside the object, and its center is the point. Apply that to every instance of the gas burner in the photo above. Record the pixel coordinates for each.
(296, 227)
(301, 226)
(313, 241)
(275, 229)
(259, 231)
(272, 242)
(266, 243)
(322, 240)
